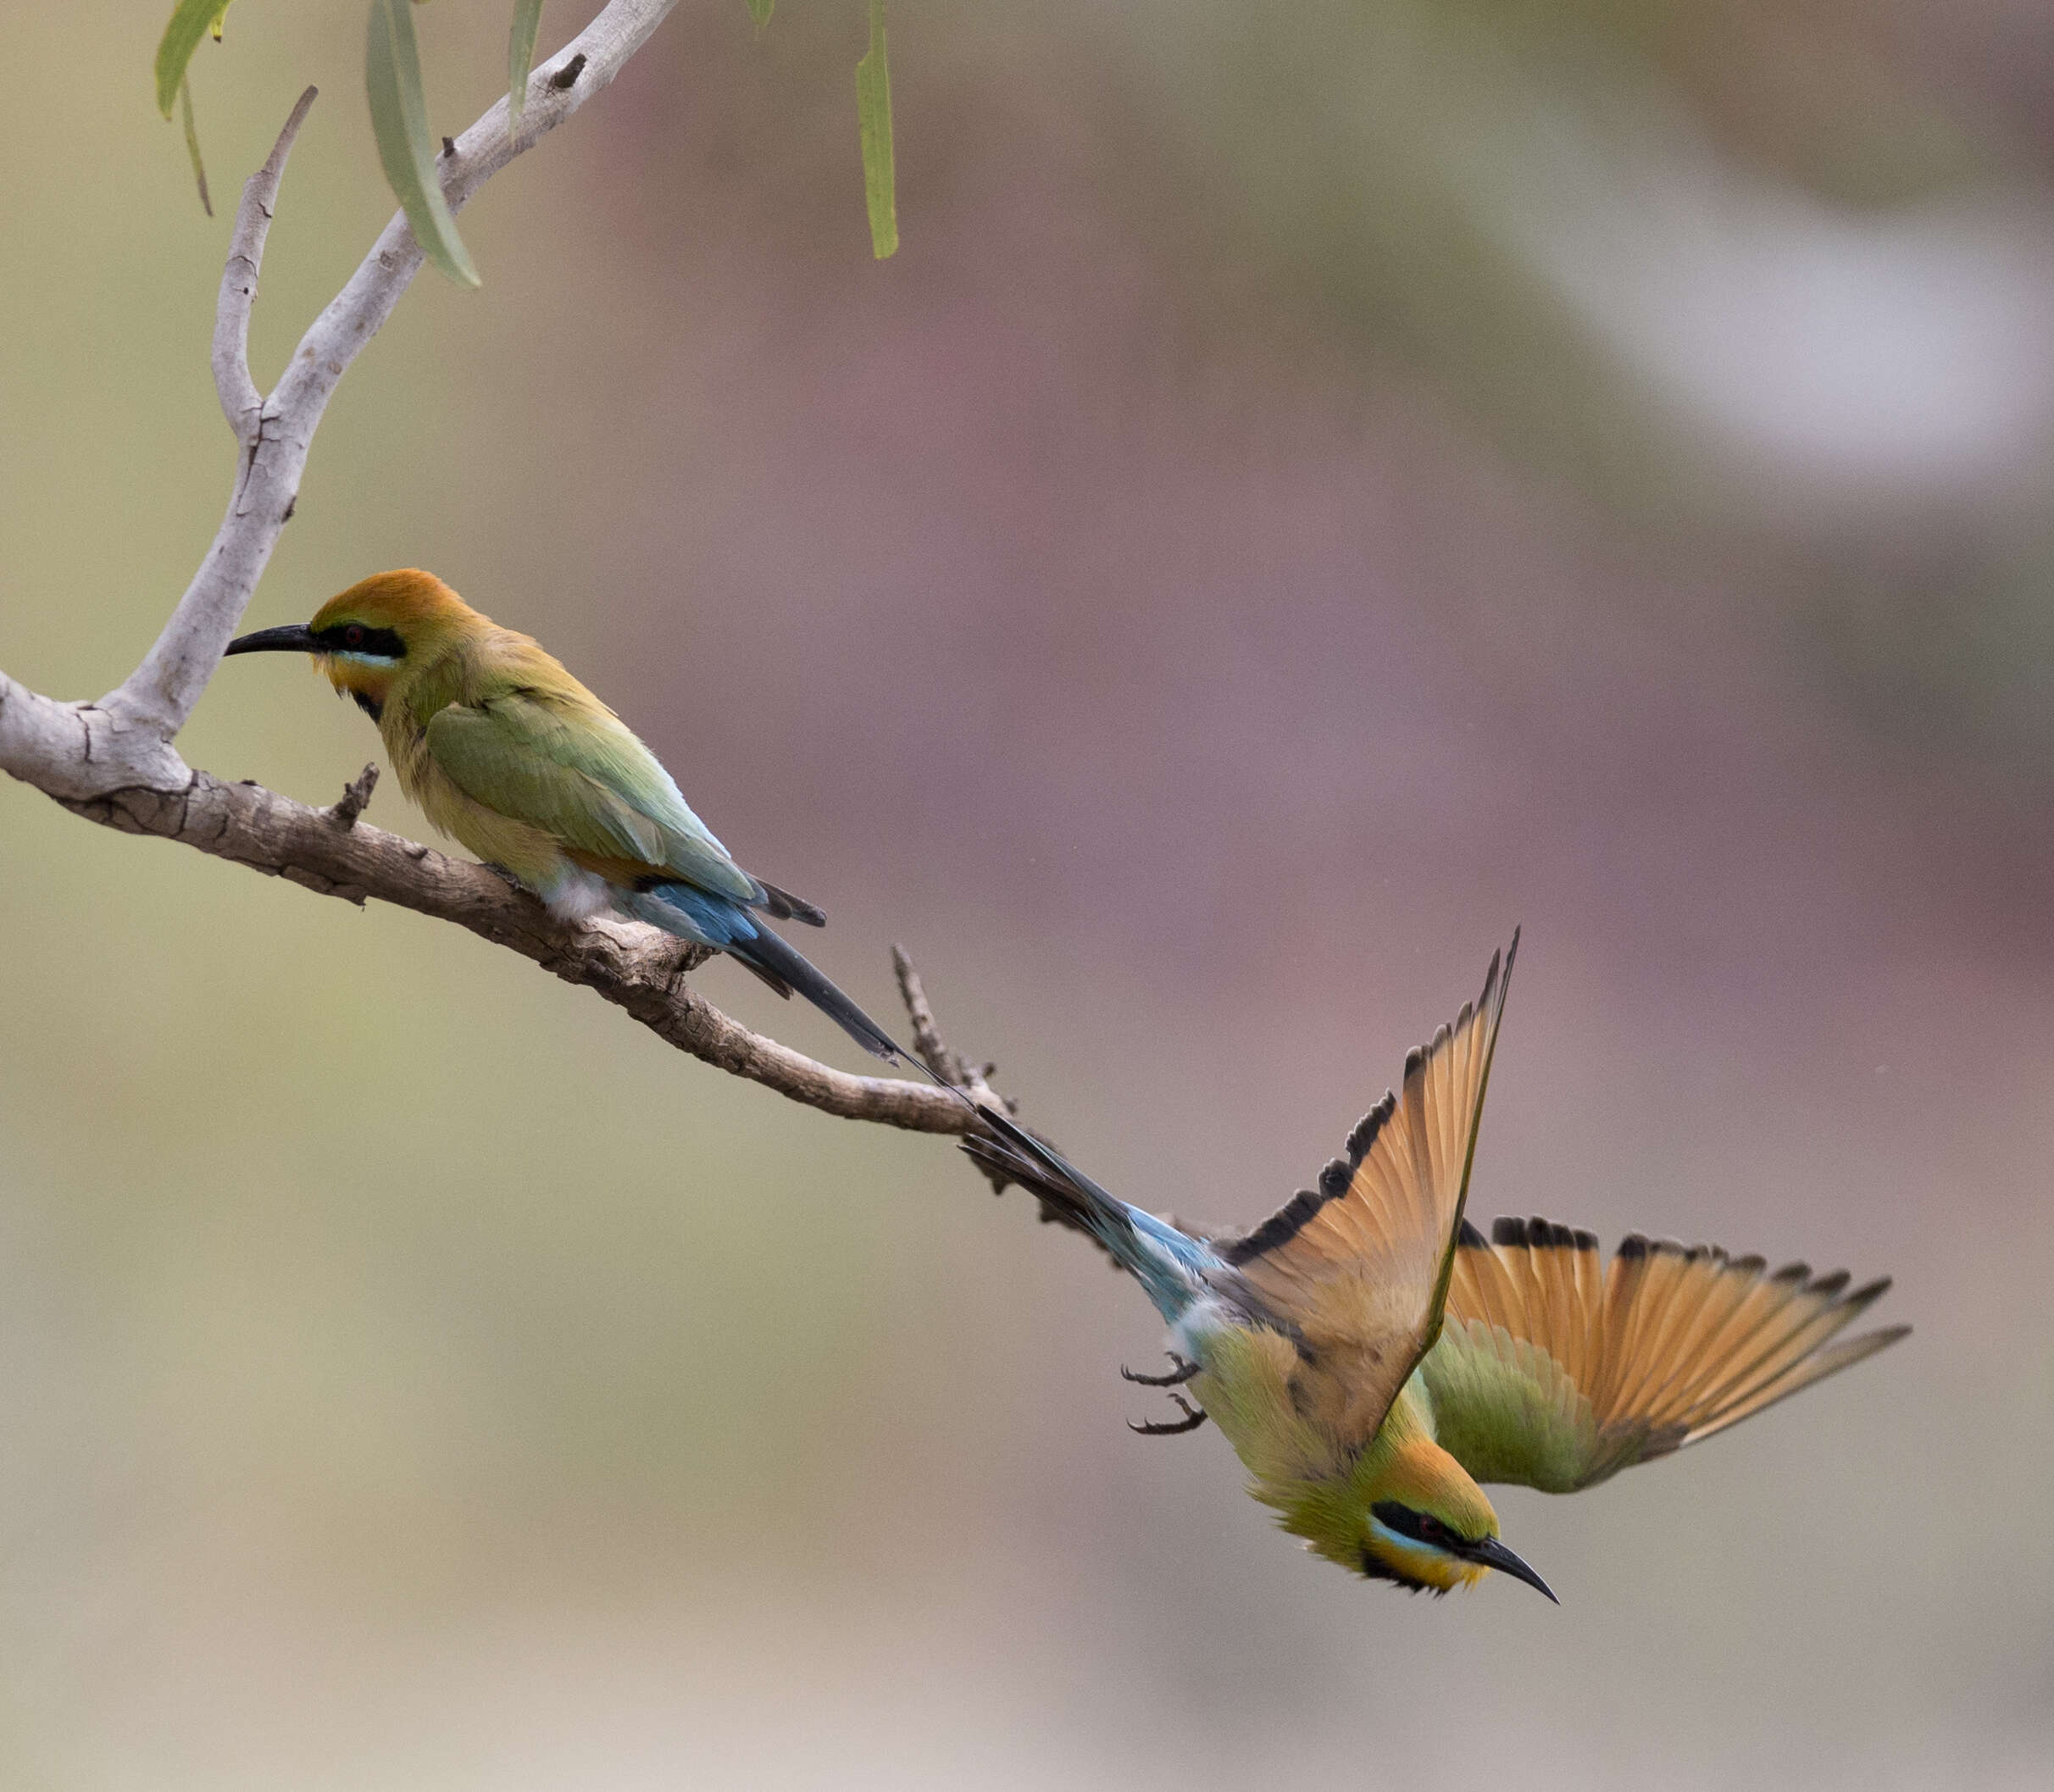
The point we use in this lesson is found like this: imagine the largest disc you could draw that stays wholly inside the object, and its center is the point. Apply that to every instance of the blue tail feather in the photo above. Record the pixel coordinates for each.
(1170, 1265)
(716, 921)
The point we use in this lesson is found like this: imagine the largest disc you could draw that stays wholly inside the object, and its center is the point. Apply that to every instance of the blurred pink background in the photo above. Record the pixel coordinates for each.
(1318, 487)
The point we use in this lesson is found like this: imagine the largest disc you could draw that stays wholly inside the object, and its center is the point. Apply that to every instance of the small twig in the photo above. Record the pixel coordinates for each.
(345, 810)
(151, 705)
(954, 1070)
(241, 403)
(926, 1036)
(951, 1067)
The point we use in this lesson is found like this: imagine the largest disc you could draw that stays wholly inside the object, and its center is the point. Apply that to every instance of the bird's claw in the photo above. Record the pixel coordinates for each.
(1176, 1378)
(1193, 1417)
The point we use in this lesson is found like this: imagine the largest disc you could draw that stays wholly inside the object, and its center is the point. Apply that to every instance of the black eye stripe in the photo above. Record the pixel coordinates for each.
(354, 637)
(1420, 1527)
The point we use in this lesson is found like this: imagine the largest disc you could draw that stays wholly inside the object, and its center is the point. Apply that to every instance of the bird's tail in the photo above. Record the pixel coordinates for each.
(778, 962)
(694, 914)
(1168, 1264)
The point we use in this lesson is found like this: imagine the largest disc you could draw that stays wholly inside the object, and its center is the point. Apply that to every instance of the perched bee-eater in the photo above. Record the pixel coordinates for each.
(1372, 1357)
(503, 749)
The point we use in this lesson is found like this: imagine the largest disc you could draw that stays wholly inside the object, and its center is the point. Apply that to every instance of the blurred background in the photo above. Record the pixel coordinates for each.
(1319, 486)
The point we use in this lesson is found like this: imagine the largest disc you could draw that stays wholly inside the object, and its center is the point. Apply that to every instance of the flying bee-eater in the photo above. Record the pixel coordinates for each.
(1373, 1357)
(503, 749)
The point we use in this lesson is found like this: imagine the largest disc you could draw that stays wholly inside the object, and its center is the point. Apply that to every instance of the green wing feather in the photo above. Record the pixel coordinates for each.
(1555, 1371)
(576, 771)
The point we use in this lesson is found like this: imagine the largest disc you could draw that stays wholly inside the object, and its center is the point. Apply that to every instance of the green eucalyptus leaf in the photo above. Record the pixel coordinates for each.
(759, 10)
(193, 145)
(520, 55)
(873, 121)
(191, 21)
(399, 121)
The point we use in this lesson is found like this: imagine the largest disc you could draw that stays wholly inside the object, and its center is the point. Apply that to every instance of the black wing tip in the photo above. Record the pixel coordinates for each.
(1335, 1181)
(780, 905)
(1636, 1246)
(1467, 1238)
(1338, 1175)
(1498, 978)
(1366, 1128)
(1833, 1288)
(1340, 1171)
(1537, 1234)
(1280, 1228)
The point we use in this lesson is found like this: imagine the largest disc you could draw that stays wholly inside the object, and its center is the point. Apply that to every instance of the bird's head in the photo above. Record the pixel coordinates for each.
(1428, 1526)
(365, 638)
(1409, 1513)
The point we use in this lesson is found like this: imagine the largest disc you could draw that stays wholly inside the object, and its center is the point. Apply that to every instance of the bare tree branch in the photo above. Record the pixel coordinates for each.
(635, 968)
(169, 682)
(114, 763)
(240, 401)
(951, 1067)
(926, 1034)
(123, 741)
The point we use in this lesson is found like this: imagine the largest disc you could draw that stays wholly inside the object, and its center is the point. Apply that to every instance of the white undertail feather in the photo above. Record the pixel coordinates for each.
(577, 894)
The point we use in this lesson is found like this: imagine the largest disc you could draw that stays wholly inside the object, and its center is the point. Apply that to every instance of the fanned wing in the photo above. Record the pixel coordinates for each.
(578, 772)
(1356, 1271)
(1556, 1370)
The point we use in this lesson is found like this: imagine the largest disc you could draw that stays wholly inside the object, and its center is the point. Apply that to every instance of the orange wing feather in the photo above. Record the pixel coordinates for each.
(1356, 1271)
(1660, 1348)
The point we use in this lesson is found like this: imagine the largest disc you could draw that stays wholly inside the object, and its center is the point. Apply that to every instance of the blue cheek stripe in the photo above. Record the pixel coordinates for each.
(376, 661)
(1409, 1549)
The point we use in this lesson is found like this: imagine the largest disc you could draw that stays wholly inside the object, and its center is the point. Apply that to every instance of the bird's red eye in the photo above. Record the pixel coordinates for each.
(1420, 1527)
(353, 636)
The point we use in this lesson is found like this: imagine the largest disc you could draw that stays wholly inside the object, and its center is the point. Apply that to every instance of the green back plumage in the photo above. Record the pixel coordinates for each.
(557, 758)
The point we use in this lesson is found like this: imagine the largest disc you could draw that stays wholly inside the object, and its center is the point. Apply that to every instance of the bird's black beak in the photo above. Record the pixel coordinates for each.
(1494, 1555)
(295, 637)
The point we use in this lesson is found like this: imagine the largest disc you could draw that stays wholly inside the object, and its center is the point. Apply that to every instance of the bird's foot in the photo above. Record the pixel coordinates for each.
(1176, 1378)
(504, 876)
(1193, 1417)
